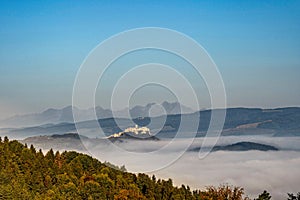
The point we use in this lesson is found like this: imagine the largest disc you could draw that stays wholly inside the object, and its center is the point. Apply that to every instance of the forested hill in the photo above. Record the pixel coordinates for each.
(29, 174)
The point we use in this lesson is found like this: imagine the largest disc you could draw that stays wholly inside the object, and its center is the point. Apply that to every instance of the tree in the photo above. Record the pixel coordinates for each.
(6, 140)
(123, 169)
(32, 149)
(293, 197)
(223, 192)
(264, 196)
(153, 178)
(50, 155)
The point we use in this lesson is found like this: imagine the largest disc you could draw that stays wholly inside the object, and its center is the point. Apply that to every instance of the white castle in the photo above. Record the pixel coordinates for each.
(135, 130)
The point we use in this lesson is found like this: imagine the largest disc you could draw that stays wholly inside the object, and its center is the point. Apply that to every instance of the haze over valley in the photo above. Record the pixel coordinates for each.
(256, 142)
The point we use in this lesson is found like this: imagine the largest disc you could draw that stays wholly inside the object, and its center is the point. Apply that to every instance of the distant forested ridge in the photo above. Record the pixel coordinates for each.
(26, 173)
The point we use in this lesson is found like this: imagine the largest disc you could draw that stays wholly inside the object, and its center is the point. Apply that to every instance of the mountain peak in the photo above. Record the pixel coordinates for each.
(65, 114)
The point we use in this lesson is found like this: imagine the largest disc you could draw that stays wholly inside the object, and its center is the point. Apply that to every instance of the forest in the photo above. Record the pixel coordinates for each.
(27, 173)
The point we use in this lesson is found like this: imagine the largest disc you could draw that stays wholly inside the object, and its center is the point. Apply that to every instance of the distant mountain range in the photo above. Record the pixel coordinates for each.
(239, 121)
(65, 115)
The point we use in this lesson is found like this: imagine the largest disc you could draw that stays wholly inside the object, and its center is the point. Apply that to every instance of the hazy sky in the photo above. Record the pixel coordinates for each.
(255, 44)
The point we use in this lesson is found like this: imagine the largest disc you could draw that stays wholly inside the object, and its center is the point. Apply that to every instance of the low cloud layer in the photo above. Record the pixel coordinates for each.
(276, 172)
(255, 171)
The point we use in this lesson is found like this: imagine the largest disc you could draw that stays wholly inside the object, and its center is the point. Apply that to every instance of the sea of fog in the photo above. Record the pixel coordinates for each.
(275, 171)
(278, 172)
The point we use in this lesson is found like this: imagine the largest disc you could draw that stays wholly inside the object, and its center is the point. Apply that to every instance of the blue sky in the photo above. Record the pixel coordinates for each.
(255, 44)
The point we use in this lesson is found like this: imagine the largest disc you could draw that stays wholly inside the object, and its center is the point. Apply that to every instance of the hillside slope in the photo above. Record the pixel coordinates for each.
(29, 174)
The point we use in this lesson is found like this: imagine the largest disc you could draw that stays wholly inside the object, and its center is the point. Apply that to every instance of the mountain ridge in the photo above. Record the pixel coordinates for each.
(65, 114)
(239, 121)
